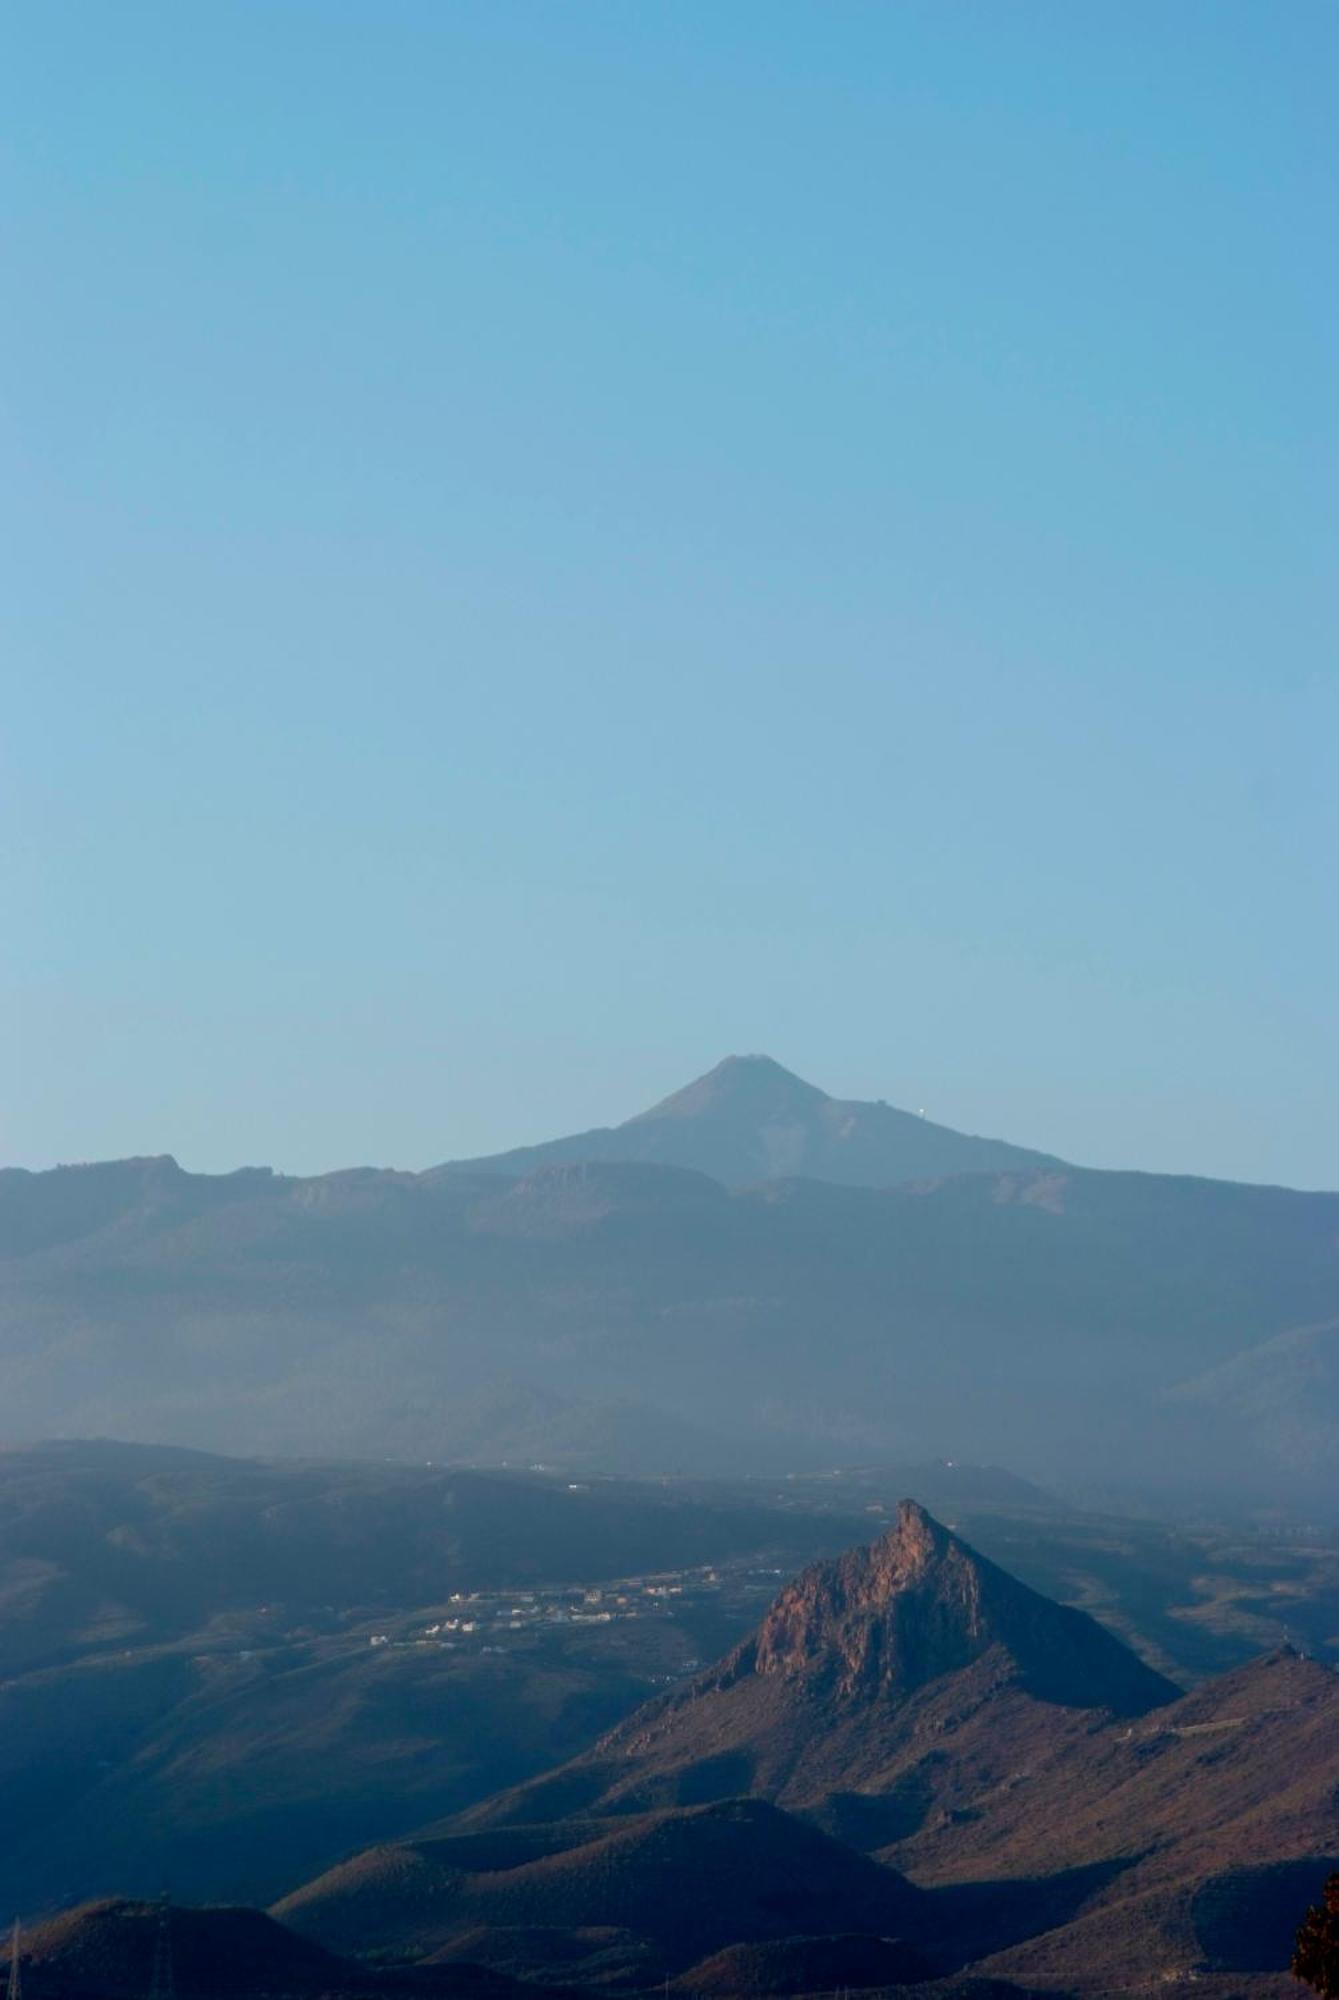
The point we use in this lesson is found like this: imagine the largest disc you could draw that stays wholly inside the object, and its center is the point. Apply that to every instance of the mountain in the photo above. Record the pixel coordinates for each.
(620, 1314)
(685, 1882)
(881, 1622)
(750, 1120)
(828, 1704)
(1068, 1819)
(109, 1948)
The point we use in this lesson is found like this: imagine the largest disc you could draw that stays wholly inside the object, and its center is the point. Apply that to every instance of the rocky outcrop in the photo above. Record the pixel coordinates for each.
(882, 1621)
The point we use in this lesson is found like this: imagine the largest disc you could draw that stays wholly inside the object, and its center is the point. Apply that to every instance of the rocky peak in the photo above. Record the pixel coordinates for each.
(899, 1612)
(918, 1604)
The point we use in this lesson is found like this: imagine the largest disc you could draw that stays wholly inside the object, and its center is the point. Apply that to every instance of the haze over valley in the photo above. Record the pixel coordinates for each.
(750, 1276)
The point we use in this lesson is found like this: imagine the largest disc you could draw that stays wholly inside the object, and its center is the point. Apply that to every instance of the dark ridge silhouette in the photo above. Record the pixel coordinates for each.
(804, 1965)
(110, 1947)
(690, 1881)
(117, 1949)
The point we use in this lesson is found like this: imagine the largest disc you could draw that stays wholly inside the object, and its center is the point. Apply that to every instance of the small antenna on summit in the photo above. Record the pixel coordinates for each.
(15, 1965)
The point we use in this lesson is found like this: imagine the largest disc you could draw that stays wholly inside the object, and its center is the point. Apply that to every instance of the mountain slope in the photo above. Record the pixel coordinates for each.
(109, 1950)
(1208, 1825)
(1073, 1821)
(190, 1691)
(750, 1120)
(858, 1663)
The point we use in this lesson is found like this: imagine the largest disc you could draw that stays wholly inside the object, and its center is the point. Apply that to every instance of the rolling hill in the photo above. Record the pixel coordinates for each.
(688, 1882)
(109, 1948)
(116, 1949)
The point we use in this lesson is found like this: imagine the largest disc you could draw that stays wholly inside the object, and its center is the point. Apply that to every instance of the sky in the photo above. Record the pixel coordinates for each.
(545, 544)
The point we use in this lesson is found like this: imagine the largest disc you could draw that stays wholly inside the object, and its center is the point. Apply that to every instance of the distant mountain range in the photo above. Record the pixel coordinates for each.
(1039, 1804)
(750, 1276)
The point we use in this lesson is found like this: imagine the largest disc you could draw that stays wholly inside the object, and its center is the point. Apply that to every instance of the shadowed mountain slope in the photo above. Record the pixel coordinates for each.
(110, 1950)
(804, 1965)
(690, 1882)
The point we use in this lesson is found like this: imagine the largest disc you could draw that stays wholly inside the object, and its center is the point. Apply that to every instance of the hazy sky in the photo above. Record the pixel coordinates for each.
(543, 544)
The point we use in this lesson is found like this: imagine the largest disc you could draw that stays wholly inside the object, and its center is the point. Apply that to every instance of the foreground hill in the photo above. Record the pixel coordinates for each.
(120, 1950)
(110, 1947)
(626, 1313)
(687, 1883)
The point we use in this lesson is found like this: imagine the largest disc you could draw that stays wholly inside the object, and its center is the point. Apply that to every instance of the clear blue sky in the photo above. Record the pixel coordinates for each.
(546, 543)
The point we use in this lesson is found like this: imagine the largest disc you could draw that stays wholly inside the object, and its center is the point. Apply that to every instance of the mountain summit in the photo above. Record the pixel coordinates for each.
(739, 1087)
(884, 1621)
(751, 1120)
